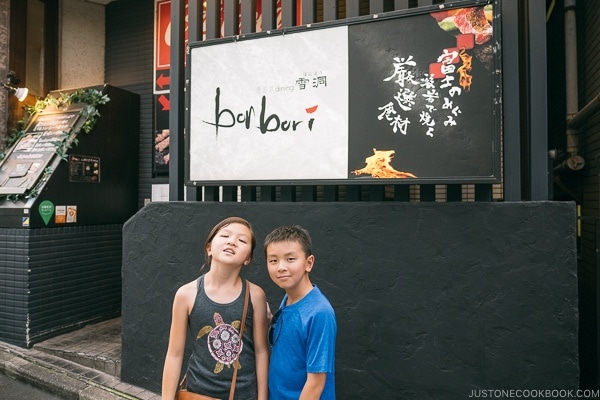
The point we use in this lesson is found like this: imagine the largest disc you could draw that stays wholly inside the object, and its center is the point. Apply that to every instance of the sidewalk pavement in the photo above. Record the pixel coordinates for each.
(81, 365)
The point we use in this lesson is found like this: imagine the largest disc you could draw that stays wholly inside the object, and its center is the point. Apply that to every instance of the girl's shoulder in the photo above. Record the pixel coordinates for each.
(256, 291)
(259, 301)
(193, 284)
(189, 289)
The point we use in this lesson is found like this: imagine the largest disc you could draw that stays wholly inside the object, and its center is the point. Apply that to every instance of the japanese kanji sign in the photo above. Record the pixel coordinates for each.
(403, 98)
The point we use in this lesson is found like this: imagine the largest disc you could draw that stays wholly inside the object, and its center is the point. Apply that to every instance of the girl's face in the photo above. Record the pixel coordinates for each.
(232, 245)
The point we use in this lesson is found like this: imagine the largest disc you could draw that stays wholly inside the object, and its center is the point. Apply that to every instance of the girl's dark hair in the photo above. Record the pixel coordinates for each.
(221, 225)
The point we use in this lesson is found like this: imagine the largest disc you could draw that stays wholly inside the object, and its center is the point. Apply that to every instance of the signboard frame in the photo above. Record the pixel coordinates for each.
(36, 149)
(249, 128)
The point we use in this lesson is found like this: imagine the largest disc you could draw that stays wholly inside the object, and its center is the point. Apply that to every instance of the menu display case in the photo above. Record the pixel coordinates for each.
(96, 181)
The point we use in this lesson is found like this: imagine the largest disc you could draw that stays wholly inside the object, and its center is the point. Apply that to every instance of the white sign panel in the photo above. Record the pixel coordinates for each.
(259, 111)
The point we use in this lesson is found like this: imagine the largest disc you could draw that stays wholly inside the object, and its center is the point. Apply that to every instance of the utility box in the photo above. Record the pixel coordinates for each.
(61, 217)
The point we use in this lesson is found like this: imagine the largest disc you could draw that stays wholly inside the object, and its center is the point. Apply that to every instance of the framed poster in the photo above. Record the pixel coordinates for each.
(404, 97)
(162, 135)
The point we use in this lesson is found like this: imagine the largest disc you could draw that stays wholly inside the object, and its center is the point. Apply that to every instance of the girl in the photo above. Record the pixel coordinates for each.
(207, 303)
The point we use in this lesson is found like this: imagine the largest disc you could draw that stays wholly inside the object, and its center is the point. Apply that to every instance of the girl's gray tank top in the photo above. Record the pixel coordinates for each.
(214, 329)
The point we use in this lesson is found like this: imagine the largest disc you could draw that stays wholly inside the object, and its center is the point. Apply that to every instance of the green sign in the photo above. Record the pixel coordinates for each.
(46, 210)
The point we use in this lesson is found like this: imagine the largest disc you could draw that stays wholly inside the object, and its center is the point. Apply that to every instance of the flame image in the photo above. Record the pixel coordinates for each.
(378, 166)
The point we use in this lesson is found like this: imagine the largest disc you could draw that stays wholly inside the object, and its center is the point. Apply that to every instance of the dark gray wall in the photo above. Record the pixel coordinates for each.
(433, 300)
(129, 65)
(54, 280)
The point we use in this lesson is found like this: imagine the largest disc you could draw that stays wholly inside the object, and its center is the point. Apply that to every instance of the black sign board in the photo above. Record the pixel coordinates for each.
(33, 152)
(84, 169)
(404, 97)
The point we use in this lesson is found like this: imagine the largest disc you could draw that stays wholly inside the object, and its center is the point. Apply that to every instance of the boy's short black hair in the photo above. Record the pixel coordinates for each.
(293, 233)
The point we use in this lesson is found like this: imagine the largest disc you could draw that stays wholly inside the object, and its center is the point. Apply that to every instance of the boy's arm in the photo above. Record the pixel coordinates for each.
(321, 346)
(313, 387)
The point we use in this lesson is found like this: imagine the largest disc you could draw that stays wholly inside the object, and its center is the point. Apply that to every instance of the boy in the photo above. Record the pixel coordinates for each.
(303, 331)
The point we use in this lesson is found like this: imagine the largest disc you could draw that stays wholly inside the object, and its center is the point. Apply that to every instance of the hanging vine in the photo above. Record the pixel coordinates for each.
(92, 98)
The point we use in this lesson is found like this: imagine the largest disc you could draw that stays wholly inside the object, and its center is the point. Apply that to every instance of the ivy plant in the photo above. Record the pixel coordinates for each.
(92, 98)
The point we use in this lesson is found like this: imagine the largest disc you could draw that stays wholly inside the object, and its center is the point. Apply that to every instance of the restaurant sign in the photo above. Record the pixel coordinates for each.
(400, 97)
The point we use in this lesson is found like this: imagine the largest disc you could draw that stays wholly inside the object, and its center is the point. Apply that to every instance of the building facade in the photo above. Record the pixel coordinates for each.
(87, 43)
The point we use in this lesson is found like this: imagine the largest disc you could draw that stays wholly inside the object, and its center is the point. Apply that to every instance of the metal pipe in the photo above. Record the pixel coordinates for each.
(571, 73)
(574, 161)
(574, 115)
(584, 113)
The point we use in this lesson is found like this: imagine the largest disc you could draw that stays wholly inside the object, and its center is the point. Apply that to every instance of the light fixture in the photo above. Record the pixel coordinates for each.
(11, 81)
(21, 93)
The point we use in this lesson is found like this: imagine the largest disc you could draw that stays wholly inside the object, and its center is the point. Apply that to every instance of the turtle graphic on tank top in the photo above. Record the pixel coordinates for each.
(223, 341)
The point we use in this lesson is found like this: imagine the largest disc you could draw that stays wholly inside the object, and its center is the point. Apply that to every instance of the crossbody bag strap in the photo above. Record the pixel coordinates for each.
(236, 363)
(182, 382)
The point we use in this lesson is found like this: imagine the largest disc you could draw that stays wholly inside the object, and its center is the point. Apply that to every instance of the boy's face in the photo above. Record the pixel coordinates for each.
(288, 265)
